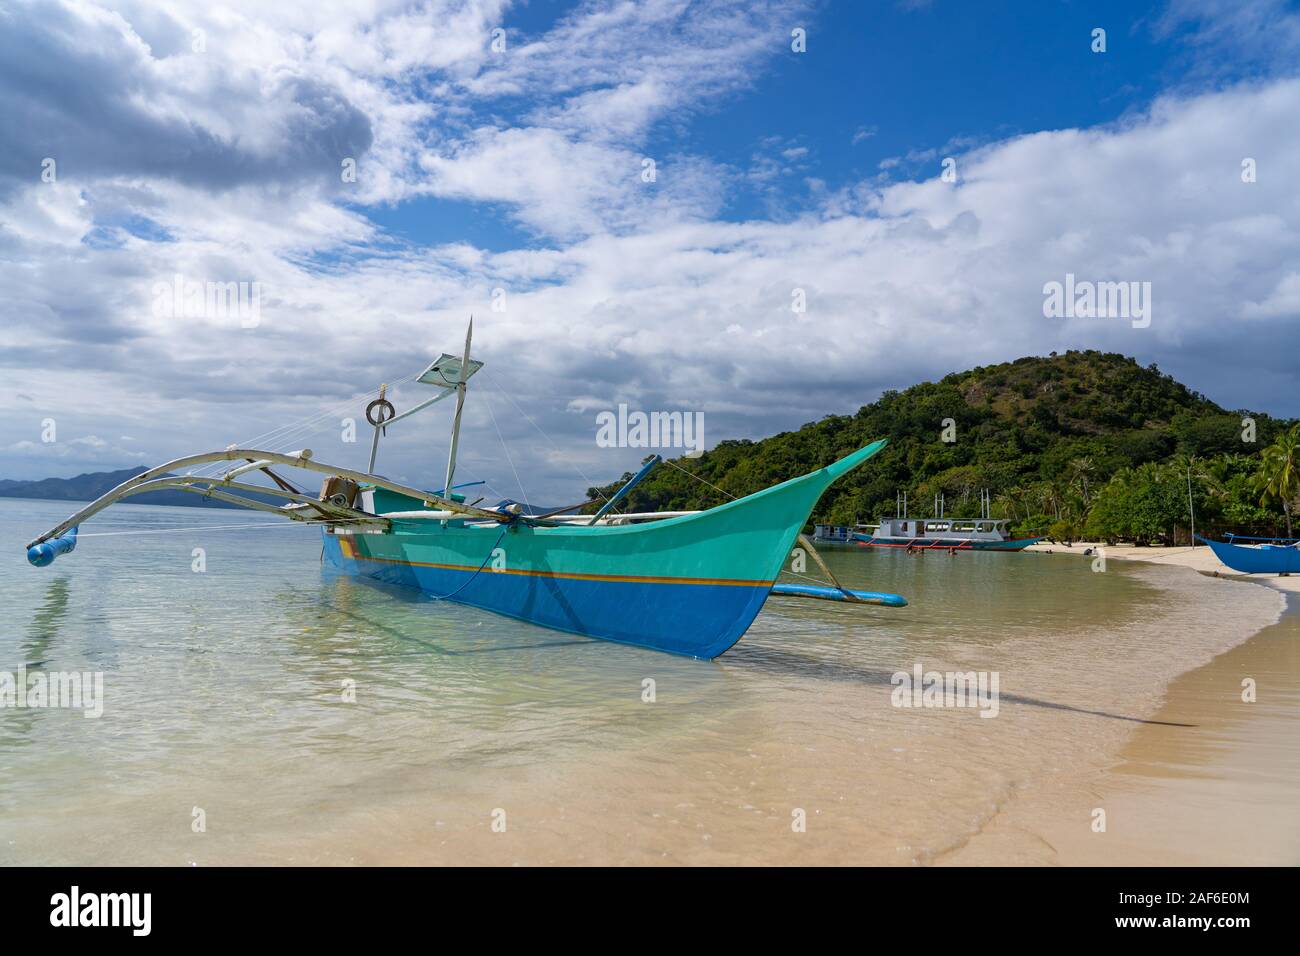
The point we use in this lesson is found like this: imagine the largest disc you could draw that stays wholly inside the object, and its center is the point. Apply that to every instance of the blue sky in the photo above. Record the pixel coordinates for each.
(884, 81)
(207, 143)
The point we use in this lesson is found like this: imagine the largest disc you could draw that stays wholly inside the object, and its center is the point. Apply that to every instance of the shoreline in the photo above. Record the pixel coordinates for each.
(1199, 558)
(1209, 780)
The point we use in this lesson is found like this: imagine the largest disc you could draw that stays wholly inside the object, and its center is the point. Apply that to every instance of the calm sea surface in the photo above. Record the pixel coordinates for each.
(227, 735)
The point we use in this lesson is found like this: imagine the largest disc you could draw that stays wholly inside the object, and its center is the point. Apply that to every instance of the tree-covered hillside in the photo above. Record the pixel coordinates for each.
(1045, 435)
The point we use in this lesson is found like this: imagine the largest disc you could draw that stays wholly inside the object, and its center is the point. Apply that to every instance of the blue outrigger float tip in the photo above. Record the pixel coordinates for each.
(839, 594)
(43, 554)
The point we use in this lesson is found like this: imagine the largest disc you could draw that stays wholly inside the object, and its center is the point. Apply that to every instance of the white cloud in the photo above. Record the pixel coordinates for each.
(1282, 302)
(74, 455)
(640, 295)
(1235, 33)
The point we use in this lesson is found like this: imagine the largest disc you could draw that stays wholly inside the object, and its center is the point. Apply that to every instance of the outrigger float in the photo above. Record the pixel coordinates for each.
(687, 583)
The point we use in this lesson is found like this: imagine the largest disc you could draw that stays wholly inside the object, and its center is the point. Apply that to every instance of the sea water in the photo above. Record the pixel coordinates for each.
(258, 708)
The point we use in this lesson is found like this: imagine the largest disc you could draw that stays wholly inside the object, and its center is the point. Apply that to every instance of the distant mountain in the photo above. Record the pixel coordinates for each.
(90, 486)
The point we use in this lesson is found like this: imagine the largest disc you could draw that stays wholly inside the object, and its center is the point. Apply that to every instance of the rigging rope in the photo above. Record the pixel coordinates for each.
(541, 432)
(491, 550)
(698, 478)
(504, 448)
(283, 437)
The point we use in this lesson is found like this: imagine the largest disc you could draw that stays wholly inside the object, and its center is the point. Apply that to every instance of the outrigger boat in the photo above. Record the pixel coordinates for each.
(984, 533)
(683, 582)
(1266, 556)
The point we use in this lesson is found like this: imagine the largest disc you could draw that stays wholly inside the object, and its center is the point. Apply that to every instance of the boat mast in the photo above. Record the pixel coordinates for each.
(460, 405)
(374, 442)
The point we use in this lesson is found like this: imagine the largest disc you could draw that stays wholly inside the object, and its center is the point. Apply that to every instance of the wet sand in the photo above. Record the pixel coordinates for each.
(1212, 780)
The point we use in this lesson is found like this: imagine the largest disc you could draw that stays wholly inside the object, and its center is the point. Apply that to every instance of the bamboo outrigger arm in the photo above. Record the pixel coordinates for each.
(326, 513)
(212, 488)
(300, 459)
(821, 563)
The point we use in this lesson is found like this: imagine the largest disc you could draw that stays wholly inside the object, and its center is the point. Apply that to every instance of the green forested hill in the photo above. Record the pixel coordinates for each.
(1043, 434)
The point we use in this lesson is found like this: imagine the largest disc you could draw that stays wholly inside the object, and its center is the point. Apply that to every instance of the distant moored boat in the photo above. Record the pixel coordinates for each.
(975, 534)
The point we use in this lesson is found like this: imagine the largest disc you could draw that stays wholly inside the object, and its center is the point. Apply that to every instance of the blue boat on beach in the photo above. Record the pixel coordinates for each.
(1267, 556)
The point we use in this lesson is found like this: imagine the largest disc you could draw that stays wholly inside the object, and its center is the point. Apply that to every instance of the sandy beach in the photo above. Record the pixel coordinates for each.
(1209, 780)
(1199, 559)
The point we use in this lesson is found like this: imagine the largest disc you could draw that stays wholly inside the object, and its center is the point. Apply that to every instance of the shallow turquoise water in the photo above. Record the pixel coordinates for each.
(225, 692)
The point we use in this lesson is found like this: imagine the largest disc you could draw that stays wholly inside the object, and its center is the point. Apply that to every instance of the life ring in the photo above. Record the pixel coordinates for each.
(378, 405)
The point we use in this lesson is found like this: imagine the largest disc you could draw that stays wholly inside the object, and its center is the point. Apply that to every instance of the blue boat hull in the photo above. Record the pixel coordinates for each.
(695, 620)
(1261, 560)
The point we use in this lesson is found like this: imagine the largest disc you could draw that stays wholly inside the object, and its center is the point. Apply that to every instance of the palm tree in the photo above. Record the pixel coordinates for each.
(1201, 472)
(1278, 477)
(1011, 502)
(1081, 469)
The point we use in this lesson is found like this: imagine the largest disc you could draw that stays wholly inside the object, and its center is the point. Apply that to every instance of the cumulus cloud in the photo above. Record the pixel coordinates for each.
(1237, 33)
(632, 291)
(96, 98)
